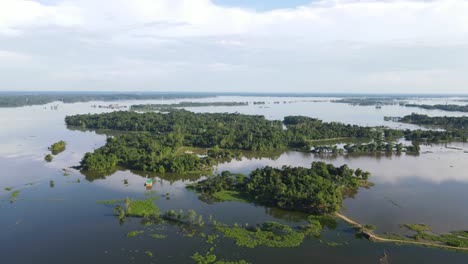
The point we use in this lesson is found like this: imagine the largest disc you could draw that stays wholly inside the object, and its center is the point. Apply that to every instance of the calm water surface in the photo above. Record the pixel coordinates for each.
(56, 218)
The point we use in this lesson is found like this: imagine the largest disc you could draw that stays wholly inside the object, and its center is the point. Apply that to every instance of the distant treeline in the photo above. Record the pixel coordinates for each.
(17, 100)
(448, 122)
(151, 107)
(369, 148)
(368, 101)
(448, 107)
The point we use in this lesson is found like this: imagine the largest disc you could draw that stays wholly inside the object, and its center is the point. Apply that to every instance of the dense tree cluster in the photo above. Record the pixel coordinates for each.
(144, 152)
(373, 147)
(302, 129)
(229, 131)
(319, 189)
(448, 122)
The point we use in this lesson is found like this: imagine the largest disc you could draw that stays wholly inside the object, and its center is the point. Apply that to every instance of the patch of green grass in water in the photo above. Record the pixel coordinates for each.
(149, 254)
(230, 196)
(158, 236)
(8, 189)
(417, 227)
(109, 201)
(134, 233)
(270, 234)
(13, 196)
(453, 239)
(142, 208)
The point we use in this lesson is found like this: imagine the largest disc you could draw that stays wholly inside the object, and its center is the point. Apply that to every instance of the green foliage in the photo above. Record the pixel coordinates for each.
(206, 130)
(225, 195)
(142, 208)
(301, 129)
(318, 190)
(204, 259)
(58, 147)
(8, 189)
(109, 201)
(447, 107)
(417, 227)
(158, 236)
(454, 239)
(149, 254)
(190, 218)
(13, 196)
(134, 233)
(48, 158)
(269, 234)
(457, 127)
(143, 152)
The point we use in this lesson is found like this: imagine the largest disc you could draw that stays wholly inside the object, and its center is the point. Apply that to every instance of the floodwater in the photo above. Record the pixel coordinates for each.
(56, 219)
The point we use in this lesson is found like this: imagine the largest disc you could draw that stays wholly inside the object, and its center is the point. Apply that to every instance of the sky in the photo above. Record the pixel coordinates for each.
(320, 46)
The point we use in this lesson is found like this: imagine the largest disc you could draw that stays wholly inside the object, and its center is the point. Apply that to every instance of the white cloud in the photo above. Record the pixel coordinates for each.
(328, 44)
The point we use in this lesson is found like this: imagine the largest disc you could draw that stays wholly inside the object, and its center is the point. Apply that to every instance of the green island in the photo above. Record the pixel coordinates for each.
(164, 142)
(446, 107)
(153, 107)
(455, 124)
(319, 189)
(57, 147)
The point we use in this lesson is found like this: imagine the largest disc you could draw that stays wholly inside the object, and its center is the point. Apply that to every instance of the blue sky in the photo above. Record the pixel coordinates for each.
(342, 46)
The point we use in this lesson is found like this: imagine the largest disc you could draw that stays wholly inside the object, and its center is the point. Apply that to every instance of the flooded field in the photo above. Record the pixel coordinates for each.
(54, 215)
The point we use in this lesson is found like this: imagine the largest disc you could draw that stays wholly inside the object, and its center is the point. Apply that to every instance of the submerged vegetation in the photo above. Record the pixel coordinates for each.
(453, 239)
(270, 234)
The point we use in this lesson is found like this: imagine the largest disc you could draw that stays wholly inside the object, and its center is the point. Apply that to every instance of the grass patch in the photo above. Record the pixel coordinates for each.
(8, 189)
(141, 208)
(134, 233)
(158, 236)
(109, 201)
(417, 227)
(229, 196)
(269, 234)
(453, 239)
(149, 254)
(13, 196)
